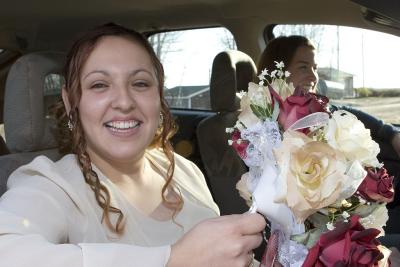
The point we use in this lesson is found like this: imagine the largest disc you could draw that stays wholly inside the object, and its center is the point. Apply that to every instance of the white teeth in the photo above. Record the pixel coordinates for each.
(122, 124)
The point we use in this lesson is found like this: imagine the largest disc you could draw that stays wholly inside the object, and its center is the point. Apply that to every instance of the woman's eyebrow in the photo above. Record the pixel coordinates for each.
(134, 72)
(96, 71)
(302, 62)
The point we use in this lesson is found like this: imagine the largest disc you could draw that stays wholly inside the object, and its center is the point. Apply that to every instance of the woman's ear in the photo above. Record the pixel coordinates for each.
(65, 99)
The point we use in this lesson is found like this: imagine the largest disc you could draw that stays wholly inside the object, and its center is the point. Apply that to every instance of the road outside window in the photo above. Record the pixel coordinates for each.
(2, 131)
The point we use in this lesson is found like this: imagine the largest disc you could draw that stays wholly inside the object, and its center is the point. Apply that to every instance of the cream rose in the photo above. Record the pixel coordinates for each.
(347, 134)
(312, 173)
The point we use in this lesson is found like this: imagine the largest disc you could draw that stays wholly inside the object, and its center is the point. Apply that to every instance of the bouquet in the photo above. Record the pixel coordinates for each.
(314, 174)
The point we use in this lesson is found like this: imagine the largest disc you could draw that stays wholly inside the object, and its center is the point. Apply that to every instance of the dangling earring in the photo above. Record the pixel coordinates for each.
(70, 125)
(161, 120)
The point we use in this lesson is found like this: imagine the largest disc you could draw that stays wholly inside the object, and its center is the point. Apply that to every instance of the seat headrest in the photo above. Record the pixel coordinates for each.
(232, 71)
(26, 124)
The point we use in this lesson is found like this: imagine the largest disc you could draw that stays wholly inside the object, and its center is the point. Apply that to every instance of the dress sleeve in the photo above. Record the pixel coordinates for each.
(35, 217)
(379, 129)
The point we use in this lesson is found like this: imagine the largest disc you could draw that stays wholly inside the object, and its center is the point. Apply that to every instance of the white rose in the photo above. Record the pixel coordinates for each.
(376, 218)
(246, 115)
(282, 88)
(259, 95)
(244, 192)
(347, 134)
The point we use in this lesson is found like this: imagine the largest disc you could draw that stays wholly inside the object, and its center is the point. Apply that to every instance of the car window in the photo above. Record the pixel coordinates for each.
(357, 67)
(52, 91)
(187, 56)
(2, 131)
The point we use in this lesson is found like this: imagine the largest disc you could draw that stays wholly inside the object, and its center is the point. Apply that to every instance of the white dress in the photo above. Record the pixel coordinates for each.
(49, 217)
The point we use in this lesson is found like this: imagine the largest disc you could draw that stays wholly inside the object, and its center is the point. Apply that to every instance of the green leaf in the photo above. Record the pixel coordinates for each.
(261, 112)
(309, 238)
(318, 220)
(365, 210)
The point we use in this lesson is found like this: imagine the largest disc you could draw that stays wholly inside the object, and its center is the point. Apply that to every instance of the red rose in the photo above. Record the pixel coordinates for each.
(238, 144)
(377, 186)
(300, 105)
(349, 244)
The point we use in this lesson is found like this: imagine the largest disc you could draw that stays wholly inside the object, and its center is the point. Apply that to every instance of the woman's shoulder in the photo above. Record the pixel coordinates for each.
(181, 163)
(43, 166)
(42, 173)
(187, 176)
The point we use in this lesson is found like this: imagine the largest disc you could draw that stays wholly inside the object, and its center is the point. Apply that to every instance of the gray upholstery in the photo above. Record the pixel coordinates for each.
(25, 125)
(231, 73)
(29, 132)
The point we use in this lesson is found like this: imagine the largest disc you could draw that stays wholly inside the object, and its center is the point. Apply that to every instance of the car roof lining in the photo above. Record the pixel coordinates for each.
(49, 25)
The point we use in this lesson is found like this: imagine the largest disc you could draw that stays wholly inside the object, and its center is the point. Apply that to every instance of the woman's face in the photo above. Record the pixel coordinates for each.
(303, 69)
(120, 104)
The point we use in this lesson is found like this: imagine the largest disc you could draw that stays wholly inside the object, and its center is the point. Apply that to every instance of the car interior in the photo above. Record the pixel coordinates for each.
(34, 36)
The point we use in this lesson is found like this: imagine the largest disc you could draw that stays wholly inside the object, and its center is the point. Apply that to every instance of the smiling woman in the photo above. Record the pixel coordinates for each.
(120, 101)
(122, 197)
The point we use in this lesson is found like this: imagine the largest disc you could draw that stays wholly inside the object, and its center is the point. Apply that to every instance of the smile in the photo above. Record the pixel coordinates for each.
(122, 125)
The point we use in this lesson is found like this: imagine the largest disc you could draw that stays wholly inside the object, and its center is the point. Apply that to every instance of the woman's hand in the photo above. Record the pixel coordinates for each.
(396, 143)
(223, 241)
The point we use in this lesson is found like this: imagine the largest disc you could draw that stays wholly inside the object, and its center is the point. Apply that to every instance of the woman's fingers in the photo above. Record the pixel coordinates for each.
(224, 241)
(251, 223)
(251, 242)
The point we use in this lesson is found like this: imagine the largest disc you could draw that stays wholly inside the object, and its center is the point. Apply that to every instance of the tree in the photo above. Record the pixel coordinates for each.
(312, 32)
(162, 43)
(227, 40)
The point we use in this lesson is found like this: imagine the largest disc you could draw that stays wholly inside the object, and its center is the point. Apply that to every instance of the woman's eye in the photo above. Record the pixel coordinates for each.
(98, 86)
(140, 84)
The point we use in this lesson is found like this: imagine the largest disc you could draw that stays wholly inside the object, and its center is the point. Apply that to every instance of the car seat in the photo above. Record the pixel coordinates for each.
(231, 72)
(28, 128)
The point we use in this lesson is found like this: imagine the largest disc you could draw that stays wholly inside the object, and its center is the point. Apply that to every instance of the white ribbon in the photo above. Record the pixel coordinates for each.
(312, 120)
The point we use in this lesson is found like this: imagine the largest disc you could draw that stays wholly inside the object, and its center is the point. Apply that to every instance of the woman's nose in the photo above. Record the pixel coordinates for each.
(123, 99)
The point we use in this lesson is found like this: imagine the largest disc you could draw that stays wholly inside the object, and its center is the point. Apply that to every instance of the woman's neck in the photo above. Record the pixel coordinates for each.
(120, 171)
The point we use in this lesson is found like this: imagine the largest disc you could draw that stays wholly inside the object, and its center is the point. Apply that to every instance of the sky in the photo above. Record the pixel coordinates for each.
(191, 64)
(194, 51)
(378, 51)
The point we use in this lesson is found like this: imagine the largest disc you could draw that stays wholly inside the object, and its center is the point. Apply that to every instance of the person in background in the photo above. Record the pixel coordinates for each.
(298, 55)
(121, 196)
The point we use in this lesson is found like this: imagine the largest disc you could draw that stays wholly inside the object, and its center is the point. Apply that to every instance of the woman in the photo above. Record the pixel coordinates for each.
(122, 198)
(297, 53)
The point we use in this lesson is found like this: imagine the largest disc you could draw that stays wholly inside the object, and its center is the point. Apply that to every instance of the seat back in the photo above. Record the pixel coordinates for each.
(28, 128)
(231, 73)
